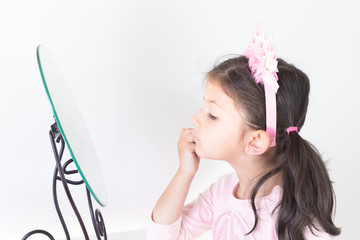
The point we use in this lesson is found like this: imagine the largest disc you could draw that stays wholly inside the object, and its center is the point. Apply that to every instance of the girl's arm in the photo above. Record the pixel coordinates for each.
(170, 204)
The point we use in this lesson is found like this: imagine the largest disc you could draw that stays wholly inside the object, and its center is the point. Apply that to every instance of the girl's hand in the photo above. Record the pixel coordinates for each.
(189, 160)
(171, 202)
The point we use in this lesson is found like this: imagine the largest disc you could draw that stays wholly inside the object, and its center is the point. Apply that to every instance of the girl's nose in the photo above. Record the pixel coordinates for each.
(195, 120)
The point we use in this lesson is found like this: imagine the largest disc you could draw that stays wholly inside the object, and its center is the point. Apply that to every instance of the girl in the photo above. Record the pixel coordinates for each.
(254, 107)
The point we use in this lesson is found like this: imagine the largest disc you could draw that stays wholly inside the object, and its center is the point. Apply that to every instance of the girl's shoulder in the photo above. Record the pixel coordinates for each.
(228, 177)
(226, 182)
(222, 188)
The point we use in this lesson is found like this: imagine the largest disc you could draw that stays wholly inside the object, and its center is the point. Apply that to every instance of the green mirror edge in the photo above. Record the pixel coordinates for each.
(61, 130)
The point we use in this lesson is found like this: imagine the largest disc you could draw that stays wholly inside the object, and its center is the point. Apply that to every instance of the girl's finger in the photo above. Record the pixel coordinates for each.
(182, 131)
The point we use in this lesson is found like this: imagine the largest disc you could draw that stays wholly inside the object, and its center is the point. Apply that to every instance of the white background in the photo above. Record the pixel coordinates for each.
(136, 69)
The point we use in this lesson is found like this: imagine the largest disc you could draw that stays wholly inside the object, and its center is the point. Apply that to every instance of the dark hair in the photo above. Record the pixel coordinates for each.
(308, 196)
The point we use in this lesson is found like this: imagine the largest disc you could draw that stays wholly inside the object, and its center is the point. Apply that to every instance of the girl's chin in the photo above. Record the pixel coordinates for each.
(201, 154)
(198, 152)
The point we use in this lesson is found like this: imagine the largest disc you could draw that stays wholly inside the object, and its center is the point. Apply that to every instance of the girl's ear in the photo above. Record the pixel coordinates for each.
(259, 143)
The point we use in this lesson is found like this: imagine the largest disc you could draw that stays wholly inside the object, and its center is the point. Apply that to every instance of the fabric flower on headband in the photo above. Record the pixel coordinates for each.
(263, 66)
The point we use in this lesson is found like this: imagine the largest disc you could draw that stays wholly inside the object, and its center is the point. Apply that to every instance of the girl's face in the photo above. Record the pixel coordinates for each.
(219, 128)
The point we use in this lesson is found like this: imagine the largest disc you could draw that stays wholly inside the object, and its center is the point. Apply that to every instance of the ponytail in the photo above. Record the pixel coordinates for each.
(308, 196)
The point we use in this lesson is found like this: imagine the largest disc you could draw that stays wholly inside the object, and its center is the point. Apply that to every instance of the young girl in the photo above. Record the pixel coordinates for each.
(254, 108)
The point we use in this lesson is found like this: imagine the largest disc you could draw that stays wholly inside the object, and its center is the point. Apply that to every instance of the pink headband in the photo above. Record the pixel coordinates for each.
(263, 66)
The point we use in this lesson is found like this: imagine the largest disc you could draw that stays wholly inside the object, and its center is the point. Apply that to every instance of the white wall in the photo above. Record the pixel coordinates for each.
(136, 69)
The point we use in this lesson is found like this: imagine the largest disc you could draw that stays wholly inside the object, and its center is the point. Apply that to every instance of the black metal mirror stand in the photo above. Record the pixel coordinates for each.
(97, 219)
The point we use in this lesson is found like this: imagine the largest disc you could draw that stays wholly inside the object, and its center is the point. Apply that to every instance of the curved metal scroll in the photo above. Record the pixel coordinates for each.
(59, 174)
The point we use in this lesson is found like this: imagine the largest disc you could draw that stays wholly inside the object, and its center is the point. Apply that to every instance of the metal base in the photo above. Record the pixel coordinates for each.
(97, 219)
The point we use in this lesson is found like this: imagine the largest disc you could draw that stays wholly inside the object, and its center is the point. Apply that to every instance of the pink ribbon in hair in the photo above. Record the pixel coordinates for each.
(263, 66)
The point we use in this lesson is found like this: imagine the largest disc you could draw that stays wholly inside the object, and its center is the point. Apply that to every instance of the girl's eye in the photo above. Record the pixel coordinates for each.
(212, 117)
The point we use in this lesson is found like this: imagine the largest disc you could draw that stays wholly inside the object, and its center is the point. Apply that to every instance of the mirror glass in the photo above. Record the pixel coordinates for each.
(72, 125)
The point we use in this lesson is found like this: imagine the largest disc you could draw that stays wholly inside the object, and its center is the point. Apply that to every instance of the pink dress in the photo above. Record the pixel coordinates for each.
(226, 216)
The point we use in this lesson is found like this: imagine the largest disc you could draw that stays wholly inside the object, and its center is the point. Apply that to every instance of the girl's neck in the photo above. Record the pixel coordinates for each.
(248, 172)
(243, 190)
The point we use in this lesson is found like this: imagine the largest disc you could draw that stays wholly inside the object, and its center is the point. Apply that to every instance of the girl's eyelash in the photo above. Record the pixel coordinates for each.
(212, 117)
